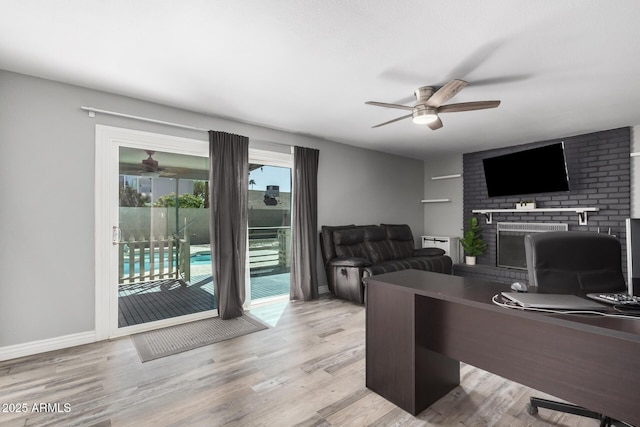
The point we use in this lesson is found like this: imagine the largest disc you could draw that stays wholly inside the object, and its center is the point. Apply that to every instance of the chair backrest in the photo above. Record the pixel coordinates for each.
(574, 262)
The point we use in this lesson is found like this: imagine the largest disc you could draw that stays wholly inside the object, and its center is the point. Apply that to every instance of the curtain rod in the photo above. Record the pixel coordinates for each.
(92, 113)
(93, 110)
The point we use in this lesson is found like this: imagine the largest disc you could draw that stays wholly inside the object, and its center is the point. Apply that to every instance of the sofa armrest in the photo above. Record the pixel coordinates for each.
(344, 277)
(428, 252)
(349, 262)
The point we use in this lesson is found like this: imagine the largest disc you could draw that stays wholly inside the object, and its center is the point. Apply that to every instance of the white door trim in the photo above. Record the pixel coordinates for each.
(108, 140)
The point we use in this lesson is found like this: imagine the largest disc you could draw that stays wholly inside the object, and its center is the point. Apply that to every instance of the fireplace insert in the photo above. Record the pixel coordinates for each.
(510, 241)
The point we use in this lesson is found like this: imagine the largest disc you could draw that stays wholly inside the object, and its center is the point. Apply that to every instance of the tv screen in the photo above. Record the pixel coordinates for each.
(537, 170)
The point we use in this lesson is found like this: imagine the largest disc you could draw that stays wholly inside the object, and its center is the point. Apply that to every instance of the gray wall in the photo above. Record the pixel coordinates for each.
(47, 210)
(443, 219)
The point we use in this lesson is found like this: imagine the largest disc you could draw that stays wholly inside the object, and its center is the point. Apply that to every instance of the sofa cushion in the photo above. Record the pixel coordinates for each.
(349, 243)
(326, 240)
(377, 245)
(437, 264)
(401, 240)
(429, 252)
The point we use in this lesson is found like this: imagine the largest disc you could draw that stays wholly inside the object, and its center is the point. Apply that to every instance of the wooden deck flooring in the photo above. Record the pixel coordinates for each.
(308, 369)
(150, 301)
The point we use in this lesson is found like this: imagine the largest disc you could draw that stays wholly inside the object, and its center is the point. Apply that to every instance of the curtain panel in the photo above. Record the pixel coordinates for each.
(228, 201)
(304, 225)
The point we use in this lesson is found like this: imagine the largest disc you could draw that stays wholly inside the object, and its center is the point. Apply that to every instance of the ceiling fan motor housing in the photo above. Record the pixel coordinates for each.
(150, 162)
(423, 94)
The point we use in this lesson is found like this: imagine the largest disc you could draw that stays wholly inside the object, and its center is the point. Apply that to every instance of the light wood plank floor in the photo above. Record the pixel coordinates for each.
(307, 370)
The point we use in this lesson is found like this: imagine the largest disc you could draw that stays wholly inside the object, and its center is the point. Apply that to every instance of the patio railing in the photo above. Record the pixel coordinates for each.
(269, 247)
(159, 258)
(153, 259)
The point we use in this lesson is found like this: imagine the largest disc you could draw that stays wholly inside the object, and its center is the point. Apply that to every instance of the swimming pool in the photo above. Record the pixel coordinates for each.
(198, 258)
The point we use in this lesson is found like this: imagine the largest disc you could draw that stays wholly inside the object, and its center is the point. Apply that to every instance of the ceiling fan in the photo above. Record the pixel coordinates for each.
(429, 104)
(150, 164)
(148, 167)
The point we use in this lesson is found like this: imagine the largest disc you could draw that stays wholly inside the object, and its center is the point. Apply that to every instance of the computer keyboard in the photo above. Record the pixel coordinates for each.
(615, 298)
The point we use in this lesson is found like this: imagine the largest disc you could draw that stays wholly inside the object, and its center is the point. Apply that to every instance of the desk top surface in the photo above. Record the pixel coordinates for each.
(478, 293)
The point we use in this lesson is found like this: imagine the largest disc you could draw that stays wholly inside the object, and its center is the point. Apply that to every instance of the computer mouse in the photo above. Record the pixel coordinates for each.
(518, 287)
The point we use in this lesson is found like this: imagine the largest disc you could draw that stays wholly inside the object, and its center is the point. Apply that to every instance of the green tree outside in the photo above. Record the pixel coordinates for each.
(132, 198)
(184, 201)
(201, 189)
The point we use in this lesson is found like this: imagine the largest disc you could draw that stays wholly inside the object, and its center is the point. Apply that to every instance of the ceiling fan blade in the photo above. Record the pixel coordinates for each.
(384, 104)
(446, 92)
(436, 124)
(468, 106)
(391, 121)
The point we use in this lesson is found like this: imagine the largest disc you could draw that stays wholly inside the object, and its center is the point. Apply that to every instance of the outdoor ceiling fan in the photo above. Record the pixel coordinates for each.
(429, 104)
(149, 167)
(150, 164)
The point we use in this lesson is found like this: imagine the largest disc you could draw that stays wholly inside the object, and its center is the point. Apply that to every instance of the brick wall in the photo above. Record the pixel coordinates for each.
(599, 168)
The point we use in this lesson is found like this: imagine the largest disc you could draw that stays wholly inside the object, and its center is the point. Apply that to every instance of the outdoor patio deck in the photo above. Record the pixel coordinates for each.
(164, 299)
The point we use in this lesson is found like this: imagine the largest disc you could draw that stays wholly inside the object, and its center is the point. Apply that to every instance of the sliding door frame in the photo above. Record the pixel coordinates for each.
(267, 158)
(108, 141)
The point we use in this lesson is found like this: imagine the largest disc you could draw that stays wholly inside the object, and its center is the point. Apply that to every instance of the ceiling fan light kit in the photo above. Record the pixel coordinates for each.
(429, 103)
(423, 115)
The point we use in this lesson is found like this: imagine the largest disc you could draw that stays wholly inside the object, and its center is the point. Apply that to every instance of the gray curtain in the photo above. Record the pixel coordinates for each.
(304, 225)
(228, 200)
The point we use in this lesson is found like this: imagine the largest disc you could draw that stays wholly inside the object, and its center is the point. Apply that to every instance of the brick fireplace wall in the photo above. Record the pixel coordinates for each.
(599, 168)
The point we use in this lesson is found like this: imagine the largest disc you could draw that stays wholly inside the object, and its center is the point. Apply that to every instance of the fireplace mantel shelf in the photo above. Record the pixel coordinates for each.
(582, 212)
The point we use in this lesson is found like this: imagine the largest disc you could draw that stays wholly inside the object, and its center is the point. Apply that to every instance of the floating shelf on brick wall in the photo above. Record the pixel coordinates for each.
(582, 212)
(436, 200)
(455, 175)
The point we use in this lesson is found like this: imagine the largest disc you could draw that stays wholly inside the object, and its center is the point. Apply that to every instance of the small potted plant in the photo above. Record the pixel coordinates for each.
(472, 242)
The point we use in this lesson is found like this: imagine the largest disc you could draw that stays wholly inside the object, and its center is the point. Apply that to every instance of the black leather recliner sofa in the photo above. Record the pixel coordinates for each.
(352, 252)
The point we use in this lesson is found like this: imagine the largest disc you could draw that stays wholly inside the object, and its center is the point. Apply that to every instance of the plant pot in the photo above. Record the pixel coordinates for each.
(470, 260)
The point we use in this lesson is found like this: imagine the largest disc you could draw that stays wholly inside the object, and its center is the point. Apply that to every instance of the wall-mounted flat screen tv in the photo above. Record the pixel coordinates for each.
(533, 171)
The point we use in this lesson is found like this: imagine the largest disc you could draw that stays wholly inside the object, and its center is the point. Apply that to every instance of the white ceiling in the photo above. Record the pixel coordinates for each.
(560, 67)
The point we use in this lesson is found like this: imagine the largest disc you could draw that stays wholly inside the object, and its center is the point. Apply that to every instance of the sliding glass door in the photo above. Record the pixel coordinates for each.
(153, 264)
(153, 254)
(164, 258)
(269, 230)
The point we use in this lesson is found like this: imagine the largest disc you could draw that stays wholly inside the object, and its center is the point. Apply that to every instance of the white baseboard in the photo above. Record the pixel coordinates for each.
(42, 346)
(50, 344)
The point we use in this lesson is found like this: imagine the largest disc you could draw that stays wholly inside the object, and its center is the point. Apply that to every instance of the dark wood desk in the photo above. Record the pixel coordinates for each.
(421, 324)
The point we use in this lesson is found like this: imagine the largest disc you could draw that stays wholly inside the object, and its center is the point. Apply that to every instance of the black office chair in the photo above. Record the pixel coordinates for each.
(573, 262)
